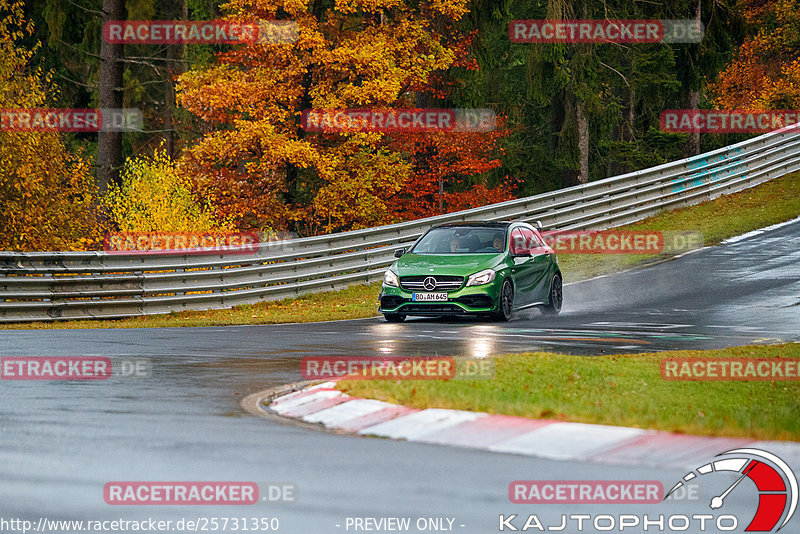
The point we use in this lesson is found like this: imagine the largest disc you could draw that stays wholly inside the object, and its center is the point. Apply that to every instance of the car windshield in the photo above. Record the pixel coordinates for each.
(462, 240)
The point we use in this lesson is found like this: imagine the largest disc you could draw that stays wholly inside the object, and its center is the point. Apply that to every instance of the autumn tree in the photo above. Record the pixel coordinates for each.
(47, 194)
(765, 74)
(450, 172)
(153, 195)
(256, 159)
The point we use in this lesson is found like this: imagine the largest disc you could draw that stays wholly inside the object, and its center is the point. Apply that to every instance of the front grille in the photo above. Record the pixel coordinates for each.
(443, 283)
(431, 308)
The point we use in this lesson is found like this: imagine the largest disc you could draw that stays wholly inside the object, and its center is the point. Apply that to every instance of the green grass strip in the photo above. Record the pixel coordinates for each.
(623, 390)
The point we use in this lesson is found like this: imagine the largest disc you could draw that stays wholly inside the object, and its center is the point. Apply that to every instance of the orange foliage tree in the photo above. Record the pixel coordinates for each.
(449, 173)
(255, 159)
(47, 194)
(765, 73)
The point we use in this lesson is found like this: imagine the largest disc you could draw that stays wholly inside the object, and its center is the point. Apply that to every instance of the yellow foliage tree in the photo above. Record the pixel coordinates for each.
(47, 194)
(155, 196)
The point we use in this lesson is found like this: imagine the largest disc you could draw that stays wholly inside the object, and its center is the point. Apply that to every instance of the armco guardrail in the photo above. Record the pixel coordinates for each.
(46, 286)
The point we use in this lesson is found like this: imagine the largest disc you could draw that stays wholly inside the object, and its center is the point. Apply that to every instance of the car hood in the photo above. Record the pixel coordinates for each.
(445, 264)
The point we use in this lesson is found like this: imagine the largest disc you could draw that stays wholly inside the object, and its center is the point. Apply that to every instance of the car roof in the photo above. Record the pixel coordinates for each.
(477, 224)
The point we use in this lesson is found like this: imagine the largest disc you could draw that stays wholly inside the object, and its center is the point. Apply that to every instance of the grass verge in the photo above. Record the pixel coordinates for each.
(769, 203)
(623, 390)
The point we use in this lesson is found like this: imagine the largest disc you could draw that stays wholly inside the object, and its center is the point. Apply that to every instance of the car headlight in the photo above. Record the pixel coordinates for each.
(390, 279)
(480, 278)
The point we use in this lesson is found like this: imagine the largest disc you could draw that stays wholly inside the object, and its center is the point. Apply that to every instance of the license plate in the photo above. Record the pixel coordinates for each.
(428, 297)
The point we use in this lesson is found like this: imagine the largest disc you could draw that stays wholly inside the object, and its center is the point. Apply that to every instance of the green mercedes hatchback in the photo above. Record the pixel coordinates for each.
(473, 268)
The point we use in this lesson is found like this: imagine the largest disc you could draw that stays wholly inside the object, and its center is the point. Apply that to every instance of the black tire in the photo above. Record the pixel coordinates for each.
(394, 317)
(556, 296)
(505, 308)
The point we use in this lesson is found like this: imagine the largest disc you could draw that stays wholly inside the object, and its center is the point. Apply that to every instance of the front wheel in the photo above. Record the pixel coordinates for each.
(506, 305)
(556, 296)
(395, 317)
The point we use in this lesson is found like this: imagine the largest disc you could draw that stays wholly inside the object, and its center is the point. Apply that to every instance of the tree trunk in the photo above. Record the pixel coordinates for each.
(109, 144)
(583, 144)
(694, 139)
(580, 117)
(176, 54)
(631, 115)
(423, 152)
(694, 94)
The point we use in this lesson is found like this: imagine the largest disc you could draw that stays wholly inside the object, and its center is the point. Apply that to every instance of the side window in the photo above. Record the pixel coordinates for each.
(532, 241)
(518, 242)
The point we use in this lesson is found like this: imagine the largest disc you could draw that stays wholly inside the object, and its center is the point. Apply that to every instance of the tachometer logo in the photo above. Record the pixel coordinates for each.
(774, 479)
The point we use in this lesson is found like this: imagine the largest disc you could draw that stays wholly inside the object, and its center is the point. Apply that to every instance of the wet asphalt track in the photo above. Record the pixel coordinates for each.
(60, 442)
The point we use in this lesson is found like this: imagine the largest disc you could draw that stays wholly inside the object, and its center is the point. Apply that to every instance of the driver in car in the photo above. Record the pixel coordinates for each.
(455, 244)
(497, 243)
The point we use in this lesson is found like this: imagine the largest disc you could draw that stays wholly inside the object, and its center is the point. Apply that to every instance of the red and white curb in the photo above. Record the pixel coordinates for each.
(554, 440)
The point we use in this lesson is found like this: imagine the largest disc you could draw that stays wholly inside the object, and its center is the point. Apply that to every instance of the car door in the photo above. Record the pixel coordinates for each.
(523, 270)
(541, 259)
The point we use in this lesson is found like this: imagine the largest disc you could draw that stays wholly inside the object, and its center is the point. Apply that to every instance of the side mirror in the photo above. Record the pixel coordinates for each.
(399, 252)
(539, 225)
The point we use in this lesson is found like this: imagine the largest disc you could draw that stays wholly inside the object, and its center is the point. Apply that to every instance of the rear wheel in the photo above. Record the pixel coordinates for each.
(506, 305)
(395, 317)
(556, 296)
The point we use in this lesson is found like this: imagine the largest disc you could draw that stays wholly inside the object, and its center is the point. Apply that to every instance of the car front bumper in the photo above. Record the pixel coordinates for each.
(463, 301)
